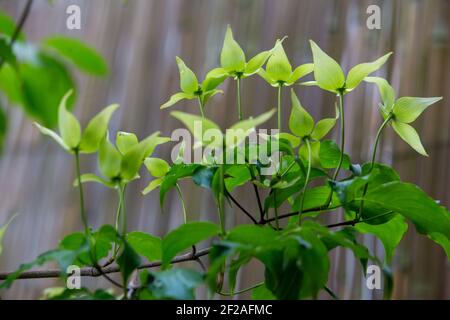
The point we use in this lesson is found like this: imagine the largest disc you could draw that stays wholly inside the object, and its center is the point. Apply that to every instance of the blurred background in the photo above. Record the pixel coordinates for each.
(140, 39)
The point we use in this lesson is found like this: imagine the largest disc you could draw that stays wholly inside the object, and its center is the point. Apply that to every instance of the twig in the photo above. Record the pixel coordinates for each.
(241, 207)
(93, 272)
(22, 20)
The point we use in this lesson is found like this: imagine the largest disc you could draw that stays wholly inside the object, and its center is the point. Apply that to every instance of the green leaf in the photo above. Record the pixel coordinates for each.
(8, 26)
(90, 177)
(240, 130)
(315, 153)
(96, 130)
(176, 172)
(185, 237)
(128, 261)
(411, 202)
(360, 71)
(300, 122)
(11, 84)
(83, 56)
(3, 231)
(329, 155)
(232, 58)
(69, 127)
(152, 186)
(327, 72)
(262, 293)
(157, 167)
(53, 135)
(177, 97)
(300, 72)
(188, 80)
(145, 244)
(410, 136)
(407, 109)
(278, 67)
(41, 74)
(322, 128)
(255, 64)
(125, 141)
(109, 159)
(214, 78)
(198, 126)
(248, 234)
(387, 93)
(6, 53)
(132, 160)
(63, 257)
(175, 283)
(390, 233)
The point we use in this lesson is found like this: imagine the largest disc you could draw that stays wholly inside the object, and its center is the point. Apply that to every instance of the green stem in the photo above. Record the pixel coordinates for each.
(377, 140)
(123, 213)
(221, 201)
(372, 162)
(80, 187)
(200, 104)
(280, 87)
(183, 205)
(341, 156)
(308, 172)
(288, 168)
(241, 291)
(118, 216)
(275, 207)
(238, 83)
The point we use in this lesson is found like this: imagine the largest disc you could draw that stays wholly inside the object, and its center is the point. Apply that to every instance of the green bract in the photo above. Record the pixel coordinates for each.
(279, 70)
(191, 89)
(71, 138)
(120, 164)
(329, 75)
(402, 111)
(233, 62)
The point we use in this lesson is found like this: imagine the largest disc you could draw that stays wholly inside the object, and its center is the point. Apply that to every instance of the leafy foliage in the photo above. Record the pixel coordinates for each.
(293, 247)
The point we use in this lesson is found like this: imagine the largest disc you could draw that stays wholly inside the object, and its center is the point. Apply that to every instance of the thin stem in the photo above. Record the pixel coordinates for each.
(255, 189)
(117, 222)
(308, 172)
(80, 187)
(341, 156)
(377, 140)
(280, 87)
(331, 293)
(123, 213)
(288, 168)
(372, 163)
(290, 214)
(228, 294)
(200, 104)
(19, 27)
(275, 207)
(183, 206)
(238, 89)
(241, 207)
